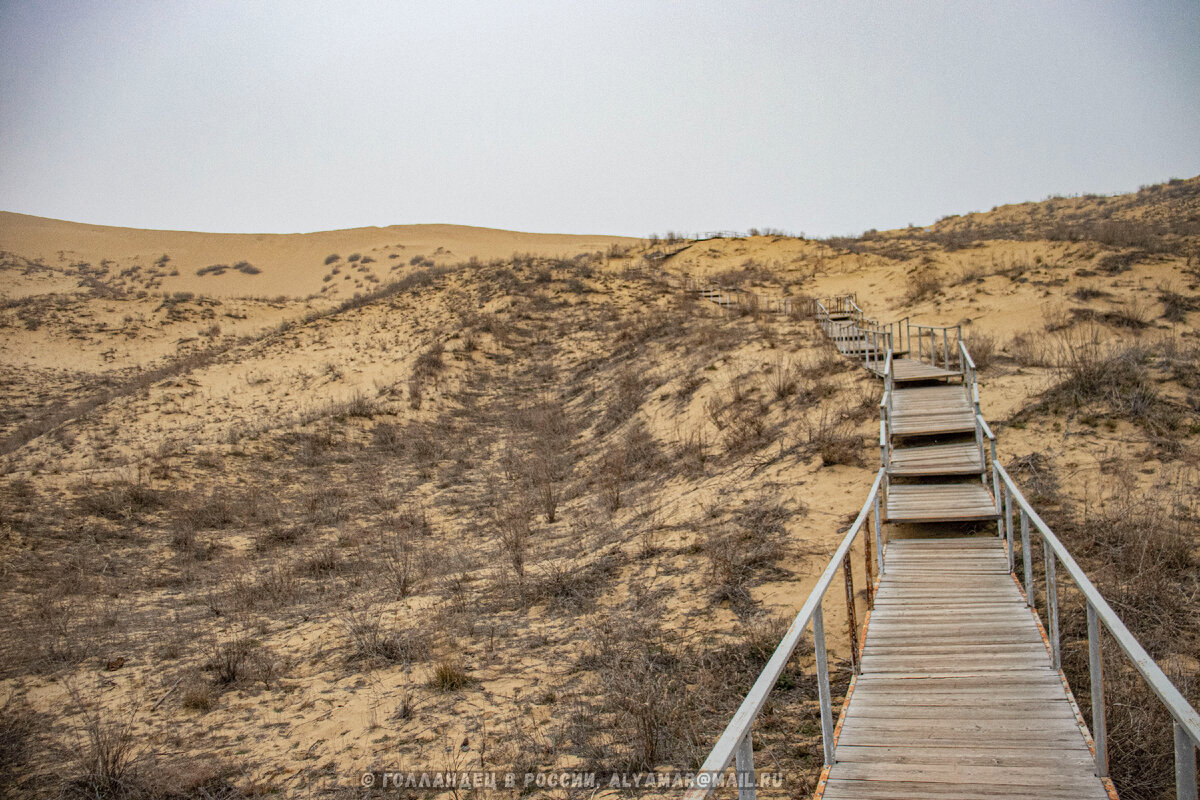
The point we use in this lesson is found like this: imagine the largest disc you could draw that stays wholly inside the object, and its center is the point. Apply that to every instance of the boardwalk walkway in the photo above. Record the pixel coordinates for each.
(957, 689)
(957, 696)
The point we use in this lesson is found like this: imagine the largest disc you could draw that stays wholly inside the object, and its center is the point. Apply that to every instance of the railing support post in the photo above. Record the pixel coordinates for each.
(1185, 765)
(878, 537)
(1027, 559)
(1052, 603)
(1096, 670)
(868, 565)
(851, 615)
(818, 625)
(1008, 526)
(744, 767)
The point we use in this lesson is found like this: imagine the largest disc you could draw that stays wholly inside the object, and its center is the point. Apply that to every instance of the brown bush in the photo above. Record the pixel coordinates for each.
(371, 641)
(923, 284)
(981, 346)
(834, 440)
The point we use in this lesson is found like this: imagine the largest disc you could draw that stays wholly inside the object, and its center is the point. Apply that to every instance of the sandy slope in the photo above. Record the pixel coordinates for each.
(279, 500)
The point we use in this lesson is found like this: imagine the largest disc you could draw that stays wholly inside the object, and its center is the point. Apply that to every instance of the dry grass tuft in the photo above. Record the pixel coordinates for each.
(449, 677)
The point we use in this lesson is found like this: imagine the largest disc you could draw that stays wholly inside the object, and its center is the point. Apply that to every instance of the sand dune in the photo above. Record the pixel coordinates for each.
(291, 265)
(533, 514)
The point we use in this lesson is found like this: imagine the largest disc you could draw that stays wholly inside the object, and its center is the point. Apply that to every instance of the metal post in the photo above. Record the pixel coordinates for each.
(1185, 765)
(818, 625)
(851, 615)
(1008, 526)
(1027, 559)
(1052, 603)
(878, 536)
(744, 767)
(867, 565)
(1096, 669)
(996, 494)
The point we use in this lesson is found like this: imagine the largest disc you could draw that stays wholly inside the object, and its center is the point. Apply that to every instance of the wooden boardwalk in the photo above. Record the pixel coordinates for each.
(957, 696)
(957, 691)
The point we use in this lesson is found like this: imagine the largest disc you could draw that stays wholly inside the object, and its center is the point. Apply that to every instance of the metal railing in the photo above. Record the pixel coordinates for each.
(1185, 720)
(736, 743)
(936, 345)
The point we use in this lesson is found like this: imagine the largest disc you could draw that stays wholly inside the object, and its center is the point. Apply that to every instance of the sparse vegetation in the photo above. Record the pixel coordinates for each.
(555, 491)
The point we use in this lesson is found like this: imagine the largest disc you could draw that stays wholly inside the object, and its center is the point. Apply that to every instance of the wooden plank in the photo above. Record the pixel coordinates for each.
(1005, 776)
(1017, 757)
(957, 697)
(915, 790)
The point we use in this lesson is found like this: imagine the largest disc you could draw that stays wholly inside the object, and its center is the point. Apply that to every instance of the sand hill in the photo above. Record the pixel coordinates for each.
(334, 263)
(534, 511)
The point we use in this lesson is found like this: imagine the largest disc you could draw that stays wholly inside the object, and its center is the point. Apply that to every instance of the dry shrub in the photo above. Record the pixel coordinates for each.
(609, 475)
(372, 642)
(1029, 350)
(512, 518)
(1037, 475)
(60, 627)
(1176, 306)
(629, 390)
(1086, 293)
(691, 453)
(753, 540)
(237, 659)
(783, 380)
(449, 676)
(745, 428)
(399, 562)
(923, 284)
(217, 511)
(688, 385)
(123, 502)
(19, 725)
(1135, 315)
(665, 701)
(1114, 376)
(834, 440)
(570, 585)
(981, 346)
(106, 756)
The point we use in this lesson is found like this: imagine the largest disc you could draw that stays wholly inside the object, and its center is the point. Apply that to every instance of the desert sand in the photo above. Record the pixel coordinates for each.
(492, 500)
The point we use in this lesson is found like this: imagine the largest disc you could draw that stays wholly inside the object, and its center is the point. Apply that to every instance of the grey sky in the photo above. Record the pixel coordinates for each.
(611, 117)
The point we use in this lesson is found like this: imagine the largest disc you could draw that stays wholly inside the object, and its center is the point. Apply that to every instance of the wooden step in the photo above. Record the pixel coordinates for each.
(910, 369)
(939, 502)
(931, 410)
(959, 458)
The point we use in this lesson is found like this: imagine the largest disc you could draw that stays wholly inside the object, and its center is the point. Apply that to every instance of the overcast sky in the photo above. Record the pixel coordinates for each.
(602, 117)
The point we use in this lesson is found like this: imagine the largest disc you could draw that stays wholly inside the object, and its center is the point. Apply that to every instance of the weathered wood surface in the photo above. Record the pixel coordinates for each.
(939, 502)
(957, 697)
(958, 458)
(911, 369)
(931, 410)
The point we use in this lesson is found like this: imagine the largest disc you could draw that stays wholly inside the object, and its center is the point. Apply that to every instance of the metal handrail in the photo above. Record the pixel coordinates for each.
(1186, 721)
(736, 742)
